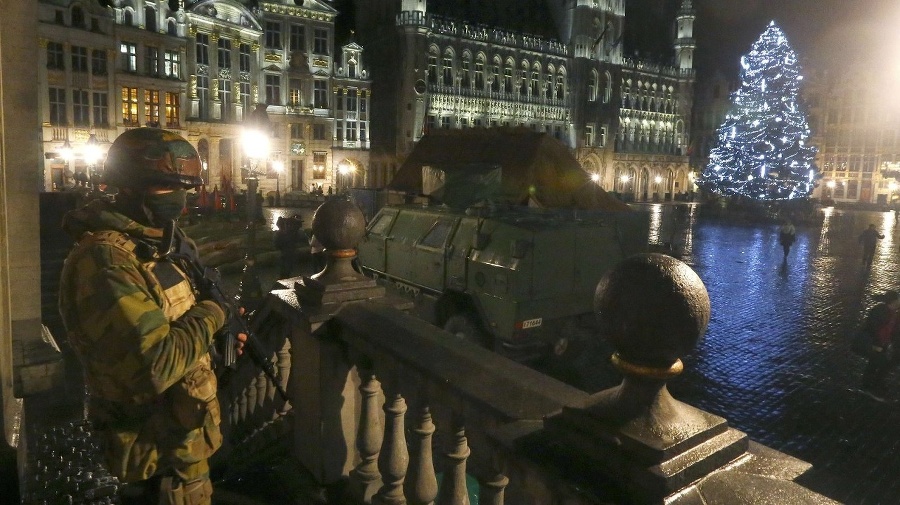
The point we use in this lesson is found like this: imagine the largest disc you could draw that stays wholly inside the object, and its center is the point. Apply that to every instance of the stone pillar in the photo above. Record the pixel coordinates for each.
(653, 309)
(323, 382)
(20, 164)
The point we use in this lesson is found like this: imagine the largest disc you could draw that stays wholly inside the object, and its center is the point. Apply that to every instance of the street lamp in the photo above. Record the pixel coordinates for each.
(831, 185)
(345, 169)
(278, 166)
(595, 177)
(92, 155)
(65, 152)
(255, 141)
(624, 178)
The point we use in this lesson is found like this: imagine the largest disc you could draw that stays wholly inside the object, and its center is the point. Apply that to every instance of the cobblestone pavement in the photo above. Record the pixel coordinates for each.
(776, 359)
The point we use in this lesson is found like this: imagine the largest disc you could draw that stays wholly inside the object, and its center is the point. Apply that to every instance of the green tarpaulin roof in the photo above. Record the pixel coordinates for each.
(534, 168)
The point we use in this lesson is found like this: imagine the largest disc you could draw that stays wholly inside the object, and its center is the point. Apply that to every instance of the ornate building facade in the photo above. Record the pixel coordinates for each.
(626, 120)
(856, 125)
(200, 70)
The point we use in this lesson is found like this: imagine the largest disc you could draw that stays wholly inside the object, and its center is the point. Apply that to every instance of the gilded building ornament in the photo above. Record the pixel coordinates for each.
(320, 62)
(193, 86)
(215, 90)
(43, 42)
(192, 30)
(273, 57)
(214, 37)
(236, 89)
(254, 47)
(254, 92)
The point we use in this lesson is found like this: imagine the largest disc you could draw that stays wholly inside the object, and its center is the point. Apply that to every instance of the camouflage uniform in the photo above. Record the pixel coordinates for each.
(143, 340)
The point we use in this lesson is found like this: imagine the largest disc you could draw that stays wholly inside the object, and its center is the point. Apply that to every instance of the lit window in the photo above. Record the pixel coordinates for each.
(129, 56)
(130, 106)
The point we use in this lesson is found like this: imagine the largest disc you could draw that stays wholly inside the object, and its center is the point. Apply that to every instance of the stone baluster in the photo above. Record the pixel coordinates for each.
(394, 459)
(251, 397)
(453, 488)
(234, 405)
(364, 479)
(263, 384)
(492, 490)
(283, 365)
(421, 482)
(242, 406)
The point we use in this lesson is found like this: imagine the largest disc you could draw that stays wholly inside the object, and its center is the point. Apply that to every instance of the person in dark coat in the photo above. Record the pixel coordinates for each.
(787, 234)
(869, 239)
(880, 327)
(287, 240)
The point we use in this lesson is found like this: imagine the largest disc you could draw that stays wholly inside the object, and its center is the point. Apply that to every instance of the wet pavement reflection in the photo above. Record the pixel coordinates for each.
(776, 359)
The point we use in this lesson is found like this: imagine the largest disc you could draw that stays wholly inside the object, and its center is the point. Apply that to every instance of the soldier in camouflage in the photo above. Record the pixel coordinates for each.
(133, 319)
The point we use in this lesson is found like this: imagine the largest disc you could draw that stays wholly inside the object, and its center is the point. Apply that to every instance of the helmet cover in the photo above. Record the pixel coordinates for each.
(147, 157)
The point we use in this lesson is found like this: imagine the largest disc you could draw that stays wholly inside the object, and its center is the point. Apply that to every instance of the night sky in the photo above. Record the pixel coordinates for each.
(827, 32)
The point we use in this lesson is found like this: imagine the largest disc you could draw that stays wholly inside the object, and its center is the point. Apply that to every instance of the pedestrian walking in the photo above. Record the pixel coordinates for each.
(869, 239)
(134, 321)
(287, 239)
(786, 237)
(879, 330)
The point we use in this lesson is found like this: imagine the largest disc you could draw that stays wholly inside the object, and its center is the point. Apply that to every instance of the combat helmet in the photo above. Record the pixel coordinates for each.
(145, 157)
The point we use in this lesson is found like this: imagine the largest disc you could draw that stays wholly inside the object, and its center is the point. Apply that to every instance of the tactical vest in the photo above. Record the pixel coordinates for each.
(177, 428)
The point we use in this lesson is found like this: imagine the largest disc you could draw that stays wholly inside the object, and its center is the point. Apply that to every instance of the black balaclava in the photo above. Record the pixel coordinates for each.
(154, 210)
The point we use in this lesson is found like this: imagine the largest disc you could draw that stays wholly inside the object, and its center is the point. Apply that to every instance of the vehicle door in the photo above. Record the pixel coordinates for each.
(372, 249)
(400, 245)
(431, 252)
(458, 253)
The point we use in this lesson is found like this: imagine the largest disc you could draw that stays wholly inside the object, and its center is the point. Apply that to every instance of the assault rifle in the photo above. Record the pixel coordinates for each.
(206, 282)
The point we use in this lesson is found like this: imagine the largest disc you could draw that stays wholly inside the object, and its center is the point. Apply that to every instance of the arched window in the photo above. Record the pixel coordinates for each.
(592, 86)
(548, 83)
(150, 18)
(465, 71)
(432, 65)
(351, 68)
(172, 28)
(607, 87)
(447, 68)
(561, 84)
(479, 73)
(523, 79)
(508, 77)
(495, 74)
(536, 80)
(128, 17)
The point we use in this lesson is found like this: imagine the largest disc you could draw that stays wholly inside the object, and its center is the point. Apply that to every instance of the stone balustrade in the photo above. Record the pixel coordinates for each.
(384, 407)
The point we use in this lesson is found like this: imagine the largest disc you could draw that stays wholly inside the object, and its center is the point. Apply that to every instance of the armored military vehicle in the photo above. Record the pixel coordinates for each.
(515, 279)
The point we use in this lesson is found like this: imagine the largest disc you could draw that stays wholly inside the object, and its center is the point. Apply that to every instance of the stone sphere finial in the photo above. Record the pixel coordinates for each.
(653, 308)
(338, 224)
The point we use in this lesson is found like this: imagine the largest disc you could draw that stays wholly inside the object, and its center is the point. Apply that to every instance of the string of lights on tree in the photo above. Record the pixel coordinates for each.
(762, 150)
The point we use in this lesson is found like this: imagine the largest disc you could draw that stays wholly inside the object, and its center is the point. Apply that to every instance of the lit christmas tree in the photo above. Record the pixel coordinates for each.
(763, 151)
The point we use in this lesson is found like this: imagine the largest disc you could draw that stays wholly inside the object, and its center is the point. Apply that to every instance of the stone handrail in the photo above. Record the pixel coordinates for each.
(376, 394)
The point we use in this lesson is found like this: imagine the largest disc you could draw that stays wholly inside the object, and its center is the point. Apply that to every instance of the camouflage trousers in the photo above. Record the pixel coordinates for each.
(189, 486)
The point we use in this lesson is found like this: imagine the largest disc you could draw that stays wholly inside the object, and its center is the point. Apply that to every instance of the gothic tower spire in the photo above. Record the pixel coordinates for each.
(684, 38)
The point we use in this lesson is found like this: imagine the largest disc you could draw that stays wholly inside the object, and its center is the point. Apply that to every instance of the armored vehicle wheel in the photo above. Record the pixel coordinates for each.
(561, 346)
(465, 326)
